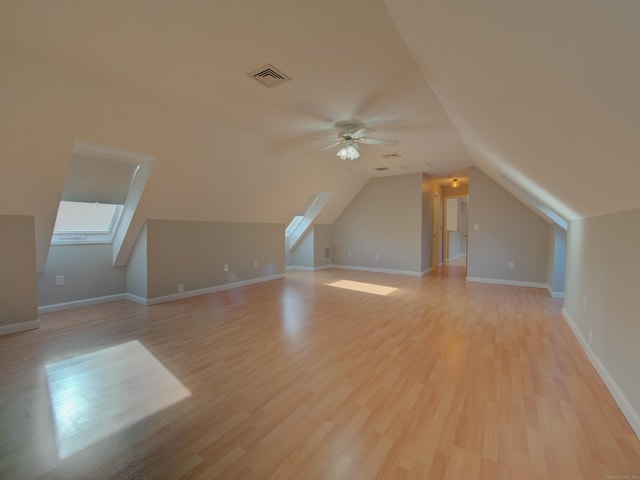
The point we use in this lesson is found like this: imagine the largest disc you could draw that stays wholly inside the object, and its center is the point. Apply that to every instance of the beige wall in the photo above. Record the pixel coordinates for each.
(556, 266)
(438, 209)
(310, 251)
(601, 295)
(137, 267)
(321, 239)
(508, 232)
(427, 223)
(385, 218)
(47, 105)
(302, 255)
(193, 253)
(18, 291)
(88, 272)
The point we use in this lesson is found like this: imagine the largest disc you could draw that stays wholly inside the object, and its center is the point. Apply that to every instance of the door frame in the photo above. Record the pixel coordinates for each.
(445, 236)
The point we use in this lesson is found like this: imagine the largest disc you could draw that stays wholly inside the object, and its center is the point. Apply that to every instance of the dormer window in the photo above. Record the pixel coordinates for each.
(101, 192)
(95, 191)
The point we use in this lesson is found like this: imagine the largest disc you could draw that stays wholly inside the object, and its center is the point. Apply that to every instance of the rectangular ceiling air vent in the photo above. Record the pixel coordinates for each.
(269, 76)
(382, 169)
(392, 155)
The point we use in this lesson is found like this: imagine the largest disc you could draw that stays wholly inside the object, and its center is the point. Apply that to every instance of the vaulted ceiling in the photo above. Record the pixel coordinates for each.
(540, 95)
(346, 60)
(543, 93)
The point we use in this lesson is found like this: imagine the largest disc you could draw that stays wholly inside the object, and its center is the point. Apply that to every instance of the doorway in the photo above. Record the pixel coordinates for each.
(455, 239)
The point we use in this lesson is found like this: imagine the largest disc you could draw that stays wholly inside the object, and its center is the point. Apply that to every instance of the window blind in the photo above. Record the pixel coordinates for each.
(98, 180)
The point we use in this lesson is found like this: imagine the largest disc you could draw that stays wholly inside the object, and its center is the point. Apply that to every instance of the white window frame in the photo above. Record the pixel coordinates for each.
(122, 219)
(89, 237)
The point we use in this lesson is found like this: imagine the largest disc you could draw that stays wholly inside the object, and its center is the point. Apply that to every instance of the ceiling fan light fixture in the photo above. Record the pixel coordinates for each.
(349, 151)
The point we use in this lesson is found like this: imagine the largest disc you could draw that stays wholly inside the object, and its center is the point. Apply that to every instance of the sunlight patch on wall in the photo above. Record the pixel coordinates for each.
(363, 287)
(555, 209)
(97, 394)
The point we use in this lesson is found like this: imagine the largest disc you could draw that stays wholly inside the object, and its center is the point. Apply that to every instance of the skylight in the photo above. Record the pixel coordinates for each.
(84, 217)
(293, 225)
(301, 223)
(95, 190)
(101, 191)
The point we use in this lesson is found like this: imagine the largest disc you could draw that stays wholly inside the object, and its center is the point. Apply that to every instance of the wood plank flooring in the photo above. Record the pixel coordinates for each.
(297, 379)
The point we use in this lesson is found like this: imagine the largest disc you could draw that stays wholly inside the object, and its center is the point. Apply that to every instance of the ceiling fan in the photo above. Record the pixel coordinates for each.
(350, 134)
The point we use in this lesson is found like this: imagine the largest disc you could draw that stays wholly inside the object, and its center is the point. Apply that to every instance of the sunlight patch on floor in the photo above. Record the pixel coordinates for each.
(363, 287)
(96, 394)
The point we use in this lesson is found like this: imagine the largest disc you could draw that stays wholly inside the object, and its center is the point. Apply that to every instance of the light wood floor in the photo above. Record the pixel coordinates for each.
(296, 379)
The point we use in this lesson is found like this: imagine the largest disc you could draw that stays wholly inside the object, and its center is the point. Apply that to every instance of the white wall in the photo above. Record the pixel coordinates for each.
(508, 232)
(601, 298)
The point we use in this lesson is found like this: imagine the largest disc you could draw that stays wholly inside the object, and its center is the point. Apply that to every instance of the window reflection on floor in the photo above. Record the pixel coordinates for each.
(96, 394)
(293, 313)
(363, 287)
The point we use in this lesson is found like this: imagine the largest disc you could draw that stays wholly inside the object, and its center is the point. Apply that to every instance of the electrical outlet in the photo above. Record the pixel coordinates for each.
(476, 226)
(376, 256)
(226, 267)
(180, 287)
(255, 264)
(512, 265)
(59, 280)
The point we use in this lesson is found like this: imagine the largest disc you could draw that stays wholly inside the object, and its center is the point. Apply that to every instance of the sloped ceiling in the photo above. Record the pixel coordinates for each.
(346, 59)
(168, 79)
(540, 95)
(544, 93)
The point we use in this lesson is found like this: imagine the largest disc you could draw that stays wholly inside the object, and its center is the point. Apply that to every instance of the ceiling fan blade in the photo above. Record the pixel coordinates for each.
(363, 132)
(328, 147)
(375, 141)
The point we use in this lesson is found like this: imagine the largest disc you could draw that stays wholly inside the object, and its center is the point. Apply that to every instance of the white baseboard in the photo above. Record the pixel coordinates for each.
(135, 298)
(151, 301)
(300, 267)
(19, 327)
(627, 410)
(324, 267)
(382, 270)
(309, 269)
(513, 283)
(204, 291)
(555, 294)
(80, 303)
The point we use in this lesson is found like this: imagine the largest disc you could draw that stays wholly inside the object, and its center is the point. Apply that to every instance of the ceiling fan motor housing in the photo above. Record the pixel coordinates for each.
(349, 127)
